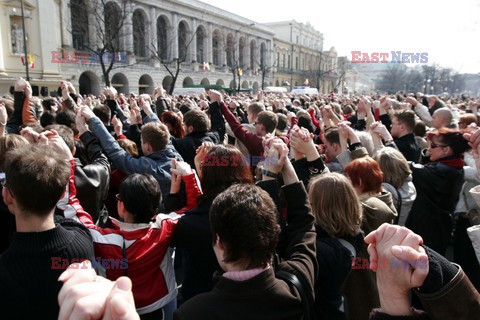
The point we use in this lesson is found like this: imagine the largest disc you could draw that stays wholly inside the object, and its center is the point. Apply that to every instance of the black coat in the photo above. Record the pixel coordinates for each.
(188, 145)
(408, 146)
(438, 187)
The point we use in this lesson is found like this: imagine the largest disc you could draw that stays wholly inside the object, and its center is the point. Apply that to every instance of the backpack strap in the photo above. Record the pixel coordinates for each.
(399, 205)
(293, 279)
(348, 246)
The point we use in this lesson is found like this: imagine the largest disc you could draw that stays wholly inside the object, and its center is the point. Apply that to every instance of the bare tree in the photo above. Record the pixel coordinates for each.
(106, 20)
(393, 78)
(343, 67)
(163, 49)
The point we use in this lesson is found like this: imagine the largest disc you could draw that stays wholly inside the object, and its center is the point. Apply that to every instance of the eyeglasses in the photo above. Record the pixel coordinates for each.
(117, 196)
(5, 185)
(434, 145)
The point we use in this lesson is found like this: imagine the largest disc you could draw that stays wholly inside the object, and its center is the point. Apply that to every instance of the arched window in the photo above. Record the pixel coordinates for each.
(216, 41)
(230, 51)
(253, 56)
(182, 40)
(200, 44)
(263, 55)
(79, 15)
(113, 23)
(162, 47)
(139, 34)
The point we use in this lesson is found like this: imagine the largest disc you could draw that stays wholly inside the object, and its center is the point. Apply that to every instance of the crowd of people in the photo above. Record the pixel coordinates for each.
(254, 206)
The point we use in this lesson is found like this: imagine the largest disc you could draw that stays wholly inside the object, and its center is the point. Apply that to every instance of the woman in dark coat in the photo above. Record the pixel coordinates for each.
(438, 185)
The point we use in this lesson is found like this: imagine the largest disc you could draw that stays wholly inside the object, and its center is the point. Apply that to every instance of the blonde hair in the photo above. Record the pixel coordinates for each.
(394, 166)
(335, 205)
(9, 142)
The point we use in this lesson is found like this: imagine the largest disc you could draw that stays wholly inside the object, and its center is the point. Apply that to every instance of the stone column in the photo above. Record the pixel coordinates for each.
(173, 36)
(2, 63)
(209, 54)
(65, 23)
(128, 30)
(223, 44)
(193, 43)
(152, 45)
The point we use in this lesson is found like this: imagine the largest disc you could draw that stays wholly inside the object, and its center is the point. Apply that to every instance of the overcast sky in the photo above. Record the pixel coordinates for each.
(448, 30)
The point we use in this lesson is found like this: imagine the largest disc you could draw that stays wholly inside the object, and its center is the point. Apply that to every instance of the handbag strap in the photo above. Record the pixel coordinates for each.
(293, 279)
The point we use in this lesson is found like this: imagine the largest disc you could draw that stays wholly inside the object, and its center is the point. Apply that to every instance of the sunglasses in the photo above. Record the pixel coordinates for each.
(117, 196)
(434, 145)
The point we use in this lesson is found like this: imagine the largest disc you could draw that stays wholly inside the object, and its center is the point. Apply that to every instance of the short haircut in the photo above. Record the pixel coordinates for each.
(141, 196)
(332, 136)
(394, 166)
(65, 133)
(365, 174)
(246, 220)
(48, 103)
(198, 120)
(282, 121)
(406, 117)
(103, 112)
(47, 118)
(36, 176)
(420, 129)
(268, 119)
(156, 134)
(67, 118)
(452, 138)
(184, 108)
(335, 205)
(129, 146)
(255, 108)
(9, 142)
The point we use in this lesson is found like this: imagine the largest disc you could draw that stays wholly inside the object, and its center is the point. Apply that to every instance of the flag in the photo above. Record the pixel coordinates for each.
(206, 66)
(305, 83)
(255, 71)
(30, 60)
(239, 72)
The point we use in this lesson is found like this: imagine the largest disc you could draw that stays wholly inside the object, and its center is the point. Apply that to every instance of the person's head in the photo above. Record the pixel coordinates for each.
(104, 113)
(332, 144)
(282, 123)
(253, 110)
(196, 121)
(403, 123)
(365, 175)
(223, 166)
(185, 108)
(335, 205)
(445, 143)
(129, 146)
(36, 177)
(466, 119)
(7, 143)
(347, 109)
(49, 105)
(155, 137)
(67, 118)
(47, 118)
(442, 118)
(139, 198)
(245, 228)
(65, 133)
(266, 122)
(174, 123)
(420, 129)
(366, 141)
(393, 165)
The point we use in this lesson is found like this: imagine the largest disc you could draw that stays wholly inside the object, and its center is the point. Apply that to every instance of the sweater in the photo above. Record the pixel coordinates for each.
(30, 267)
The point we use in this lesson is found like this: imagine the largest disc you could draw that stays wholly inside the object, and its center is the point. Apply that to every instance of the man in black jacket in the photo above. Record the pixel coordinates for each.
(36, 180)
(403, 123)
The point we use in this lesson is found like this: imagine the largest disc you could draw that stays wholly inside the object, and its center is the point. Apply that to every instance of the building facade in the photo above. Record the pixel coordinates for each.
(299, 58)
(147, 36)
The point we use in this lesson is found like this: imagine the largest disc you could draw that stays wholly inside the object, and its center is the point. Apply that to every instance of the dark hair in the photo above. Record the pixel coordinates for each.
(282, 122)
(406, 117)
(246, 220)
(47, 118)
(103, 112)
(141, 196)
(65, 133)
(184, 108)
(218, 176)
(47, 104)
(420, 129)
(36, 176)
(365, 173)
(175, 122)
(156, 134)
(67, 118)
(198, 120)
(452, 138)
(268, 119)
(332, 136)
